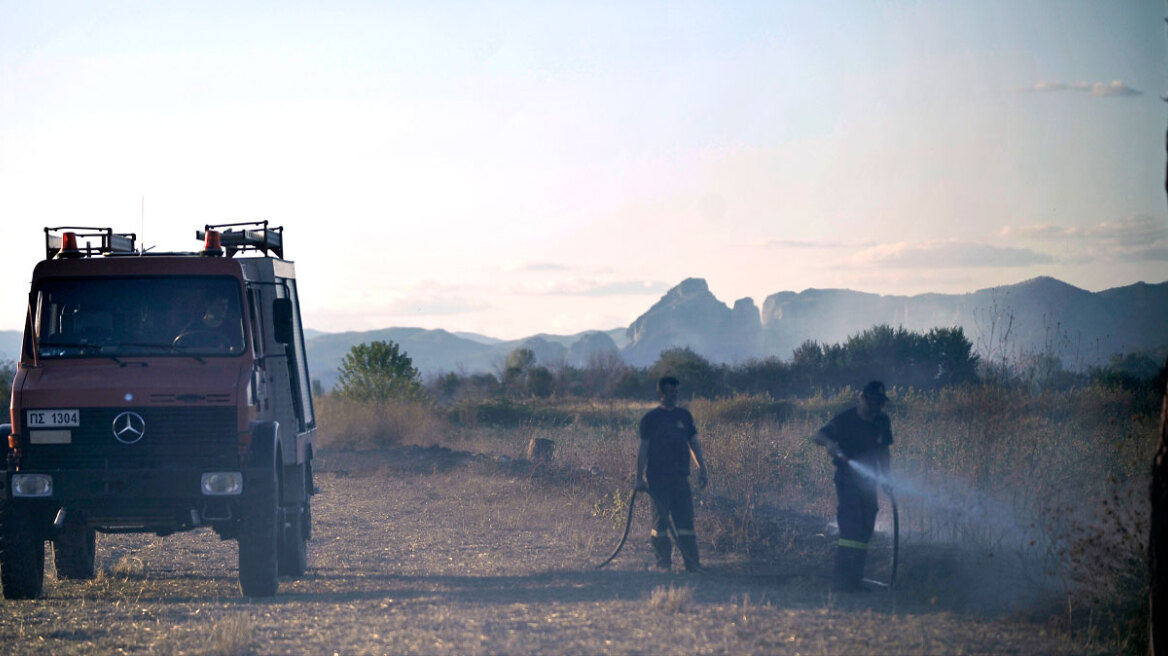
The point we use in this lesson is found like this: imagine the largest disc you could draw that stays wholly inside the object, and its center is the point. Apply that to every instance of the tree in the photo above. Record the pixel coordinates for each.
(952, 355)
(7, 373)
(378, 371)
(519, 362)
(699, 378)
(541, 382)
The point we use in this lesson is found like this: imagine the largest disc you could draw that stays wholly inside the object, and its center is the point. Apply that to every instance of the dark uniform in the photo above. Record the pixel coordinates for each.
(864, 442)
(668, 432)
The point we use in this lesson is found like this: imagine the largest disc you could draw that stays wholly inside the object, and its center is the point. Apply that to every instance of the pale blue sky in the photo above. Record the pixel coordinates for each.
(514, 168)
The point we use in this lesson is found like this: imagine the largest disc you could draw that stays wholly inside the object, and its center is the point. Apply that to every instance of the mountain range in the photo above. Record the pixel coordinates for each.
(1040, 316)
(1037, 316)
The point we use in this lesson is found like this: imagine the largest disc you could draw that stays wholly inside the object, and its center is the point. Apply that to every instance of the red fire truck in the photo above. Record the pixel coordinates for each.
(159, 392)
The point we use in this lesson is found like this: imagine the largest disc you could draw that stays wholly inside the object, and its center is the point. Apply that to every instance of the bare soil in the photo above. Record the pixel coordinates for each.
(429, 551)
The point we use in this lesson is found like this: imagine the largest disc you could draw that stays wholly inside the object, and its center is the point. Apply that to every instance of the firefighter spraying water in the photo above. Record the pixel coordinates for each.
(858, 441)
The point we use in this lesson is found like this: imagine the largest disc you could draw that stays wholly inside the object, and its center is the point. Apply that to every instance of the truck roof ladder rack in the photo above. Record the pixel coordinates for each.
(249, 236)
(78, 241)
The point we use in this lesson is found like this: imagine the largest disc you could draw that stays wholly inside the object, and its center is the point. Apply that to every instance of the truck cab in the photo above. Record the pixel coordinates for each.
(159, 392)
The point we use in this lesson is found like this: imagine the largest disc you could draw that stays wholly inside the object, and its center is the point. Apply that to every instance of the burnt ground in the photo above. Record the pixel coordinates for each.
(431, 551)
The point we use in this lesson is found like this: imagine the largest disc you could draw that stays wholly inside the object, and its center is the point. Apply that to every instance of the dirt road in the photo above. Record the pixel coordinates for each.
(413, 554)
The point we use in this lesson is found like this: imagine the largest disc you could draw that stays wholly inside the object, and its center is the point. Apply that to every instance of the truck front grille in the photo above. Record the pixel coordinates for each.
(174, 438)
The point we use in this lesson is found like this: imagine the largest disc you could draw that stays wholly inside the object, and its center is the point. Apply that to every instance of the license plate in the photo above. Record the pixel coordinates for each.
(54, 418)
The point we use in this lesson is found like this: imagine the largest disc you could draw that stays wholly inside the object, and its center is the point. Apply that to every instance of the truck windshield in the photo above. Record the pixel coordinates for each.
(157, 316)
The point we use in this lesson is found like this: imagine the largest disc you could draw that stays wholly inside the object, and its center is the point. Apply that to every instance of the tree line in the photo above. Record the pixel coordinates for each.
(930, 360)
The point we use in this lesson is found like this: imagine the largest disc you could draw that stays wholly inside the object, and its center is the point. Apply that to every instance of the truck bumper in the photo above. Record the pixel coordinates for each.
(161, 501)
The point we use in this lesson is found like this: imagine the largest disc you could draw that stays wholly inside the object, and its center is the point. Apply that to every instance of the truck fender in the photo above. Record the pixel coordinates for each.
(261, 461)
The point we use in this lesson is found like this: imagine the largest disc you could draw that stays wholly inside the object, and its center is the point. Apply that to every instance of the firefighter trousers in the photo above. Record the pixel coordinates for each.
(856, 515)
(672, 498)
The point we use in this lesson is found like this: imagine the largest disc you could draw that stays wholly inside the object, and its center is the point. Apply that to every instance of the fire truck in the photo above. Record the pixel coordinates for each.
(156, 393)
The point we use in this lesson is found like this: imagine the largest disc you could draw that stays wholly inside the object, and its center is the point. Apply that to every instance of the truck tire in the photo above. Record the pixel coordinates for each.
(259, 530)
(22, 554)
(75, 550)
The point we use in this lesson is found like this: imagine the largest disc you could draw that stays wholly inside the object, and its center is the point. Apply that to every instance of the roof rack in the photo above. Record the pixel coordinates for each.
(249, 236)
(68, 242)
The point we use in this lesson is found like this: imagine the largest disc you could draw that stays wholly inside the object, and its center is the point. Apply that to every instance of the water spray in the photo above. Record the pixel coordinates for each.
(967, 506)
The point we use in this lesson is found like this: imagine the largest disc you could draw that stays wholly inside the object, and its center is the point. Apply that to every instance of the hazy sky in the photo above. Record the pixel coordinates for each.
(513, 168)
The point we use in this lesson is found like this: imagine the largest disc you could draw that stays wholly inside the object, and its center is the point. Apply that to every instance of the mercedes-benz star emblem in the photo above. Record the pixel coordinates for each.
(129, 427)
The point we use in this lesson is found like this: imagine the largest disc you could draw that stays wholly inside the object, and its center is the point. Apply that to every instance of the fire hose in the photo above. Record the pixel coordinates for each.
(895, 536)
(628, 525)
(895, 542)
(625, 536)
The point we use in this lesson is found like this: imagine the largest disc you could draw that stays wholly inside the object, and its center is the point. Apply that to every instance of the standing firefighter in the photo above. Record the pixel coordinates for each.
(858, 441)
(668, 436)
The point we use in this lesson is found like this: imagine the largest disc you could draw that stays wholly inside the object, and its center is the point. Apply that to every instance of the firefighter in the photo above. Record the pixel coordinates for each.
(668, 437)
(862, 436)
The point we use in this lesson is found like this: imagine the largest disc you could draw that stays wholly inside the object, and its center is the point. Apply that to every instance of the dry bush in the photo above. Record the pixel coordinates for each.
(346, 424)
(128, 567)
(671, 599)
(742, 408)
(1106, 568)
(1004, 472)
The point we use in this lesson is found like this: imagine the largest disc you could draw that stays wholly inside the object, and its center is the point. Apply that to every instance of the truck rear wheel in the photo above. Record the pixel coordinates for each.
(259, 531)
(75, 550)
(22, 554)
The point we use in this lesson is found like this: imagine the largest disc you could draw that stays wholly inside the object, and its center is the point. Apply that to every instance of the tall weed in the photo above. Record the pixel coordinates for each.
(354, 425)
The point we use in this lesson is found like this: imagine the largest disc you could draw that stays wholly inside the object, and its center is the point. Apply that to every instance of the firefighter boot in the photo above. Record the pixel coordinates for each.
(848, 570)
(857, 573)
(839, 570)
(687, 544)
(664, 550)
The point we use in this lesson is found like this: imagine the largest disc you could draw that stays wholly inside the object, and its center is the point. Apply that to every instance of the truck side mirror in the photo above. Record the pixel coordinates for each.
(282, 315)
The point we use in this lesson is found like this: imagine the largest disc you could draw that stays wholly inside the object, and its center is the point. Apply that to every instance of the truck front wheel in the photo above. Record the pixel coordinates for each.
(74, 550)
(22, 554)
(259, 531)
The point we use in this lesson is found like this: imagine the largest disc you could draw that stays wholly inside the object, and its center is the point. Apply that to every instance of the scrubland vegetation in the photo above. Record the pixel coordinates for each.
(1018, 493)
(1022, 496)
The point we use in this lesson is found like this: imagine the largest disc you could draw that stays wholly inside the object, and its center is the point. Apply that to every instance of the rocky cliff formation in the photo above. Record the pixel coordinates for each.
(1037, 316)
(592, 348)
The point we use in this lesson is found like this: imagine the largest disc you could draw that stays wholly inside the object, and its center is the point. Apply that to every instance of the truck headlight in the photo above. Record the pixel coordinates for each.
(32, 485)
(222, 483)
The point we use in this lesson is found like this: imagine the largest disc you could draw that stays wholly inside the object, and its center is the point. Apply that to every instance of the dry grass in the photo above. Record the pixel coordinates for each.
(128, 567)
(232, 636)
(670, 599)
(346, 424)
(482, 559)
(1003, 494)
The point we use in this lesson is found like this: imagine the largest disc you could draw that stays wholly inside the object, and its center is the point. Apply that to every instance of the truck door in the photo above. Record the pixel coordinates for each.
(300, 385)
